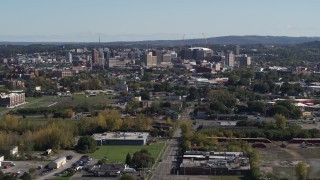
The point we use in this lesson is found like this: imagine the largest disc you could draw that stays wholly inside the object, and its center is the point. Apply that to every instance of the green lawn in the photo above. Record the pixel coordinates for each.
(100, 98)
(40, 101)
(119, 153)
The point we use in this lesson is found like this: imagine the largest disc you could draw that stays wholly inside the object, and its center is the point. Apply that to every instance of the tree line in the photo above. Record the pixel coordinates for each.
(60, 134)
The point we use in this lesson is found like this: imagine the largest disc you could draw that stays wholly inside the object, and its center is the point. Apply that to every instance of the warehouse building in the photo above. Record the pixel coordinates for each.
(121, 138)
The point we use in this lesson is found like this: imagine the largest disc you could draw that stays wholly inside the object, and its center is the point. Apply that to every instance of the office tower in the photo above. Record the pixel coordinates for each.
(95, 57)
(167, 57)
(69, 57)
(237, 49)
(101, 58)
(198, 54)
(245, 61)
(229, 61)
(148, 60)
(186, 54)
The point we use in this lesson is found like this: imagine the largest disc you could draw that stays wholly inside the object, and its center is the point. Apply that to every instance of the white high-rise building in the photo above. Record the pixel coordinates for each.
(230, 59)
(69, 57)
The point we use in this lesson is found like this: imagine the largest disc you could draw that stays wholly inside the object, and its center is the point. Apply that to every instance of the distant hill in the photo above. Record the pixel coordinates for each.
(242, 40)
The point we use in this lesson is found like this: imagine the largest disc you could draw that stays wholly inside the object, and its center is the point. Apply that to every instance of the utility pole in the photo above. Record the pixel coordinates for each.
(204, 36)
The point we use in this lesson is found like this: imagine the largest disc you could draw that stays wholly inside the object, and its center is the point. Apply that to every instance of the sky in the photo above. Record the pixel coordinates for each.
(133, 20)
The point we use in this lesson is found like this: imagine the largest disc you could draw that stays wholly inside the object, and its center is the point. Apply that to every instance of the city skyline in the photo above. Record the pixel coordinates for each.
(124, 20)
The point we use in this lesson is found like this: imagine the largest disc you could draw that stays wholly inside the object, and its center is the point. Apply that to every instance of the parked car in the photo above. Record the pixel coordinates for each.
(69, 157)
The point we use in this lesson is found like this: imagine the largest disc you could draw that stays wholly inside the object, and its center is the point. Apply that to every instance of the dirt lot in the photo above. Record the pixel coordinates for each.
(282, 161)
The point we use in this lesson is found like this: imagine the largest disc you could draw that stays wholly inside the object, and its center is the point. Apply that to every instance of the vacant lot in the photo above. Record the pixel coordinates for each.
(282, 161)
(119, 153)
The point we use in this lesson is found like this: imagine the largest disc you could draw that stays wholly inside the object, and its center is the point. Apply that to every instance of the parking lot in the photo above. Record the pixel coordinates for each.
(24, 166)
(47, 174)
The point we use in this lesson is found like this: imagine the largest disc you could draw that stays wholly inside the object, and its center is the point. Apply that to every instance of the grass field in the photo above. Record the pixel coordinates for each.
(309, 152)
(46, 101)
(284, 172)
(119, 153)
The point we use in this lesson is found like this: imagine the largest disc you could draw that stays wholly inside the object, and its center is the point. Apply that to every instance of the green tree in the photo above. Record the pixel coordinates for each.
(281, 121)
(256, 106)
(142, 123)
(86, 144)
(26, 176)
(128, 159)
(133, 105)
(233, 80)
(302, 171)
(278, 109)
(193, 93)
(142, 158)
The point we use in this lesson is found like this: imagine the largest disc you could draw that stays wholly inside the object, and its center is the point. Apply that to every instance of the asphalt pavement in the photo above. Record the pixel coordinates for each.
(168, 161)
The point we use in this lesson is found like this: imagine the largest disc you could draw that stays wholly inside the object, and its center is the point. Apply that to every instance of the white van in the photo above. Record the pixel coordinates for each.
(129, 170)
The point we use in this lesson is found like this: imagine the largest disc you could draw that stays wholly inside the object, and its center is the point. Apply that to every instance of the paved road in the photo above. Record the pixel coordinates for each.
(163, 170)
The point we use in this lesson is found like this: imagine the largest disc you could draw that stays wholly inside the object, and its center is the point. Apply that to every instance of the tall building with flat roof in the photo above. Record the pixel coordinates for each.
(245, 61)
(230, 59)
(148, 59)
(237, 49)
(167, 57)
(95, 57)
(69, 57)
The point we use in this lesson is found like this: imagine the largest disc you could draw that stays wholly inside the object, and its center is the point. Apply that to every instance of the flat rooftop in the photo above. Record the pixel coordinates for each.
(121, 136)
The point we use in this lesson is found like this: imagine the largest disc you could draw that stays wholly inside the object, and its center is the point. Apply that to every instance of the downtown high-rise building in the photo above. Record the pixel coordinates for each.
(69, 57)
(95, 57)
(244, 61)
(230, 59)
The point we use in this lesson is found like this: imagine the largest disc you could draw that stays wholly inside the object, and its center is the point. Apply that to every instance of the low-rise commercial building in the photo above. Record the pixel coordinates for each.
(121, 138)
(214, 163)
(109, 169)
(62, 74)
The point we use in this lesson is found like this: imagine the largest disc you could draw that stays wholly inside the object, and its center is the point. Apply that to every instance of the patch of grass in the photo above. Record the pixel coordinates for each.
(309, 152)
(284, 172)
(35, 121)
(119, 153)
(3, 109)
